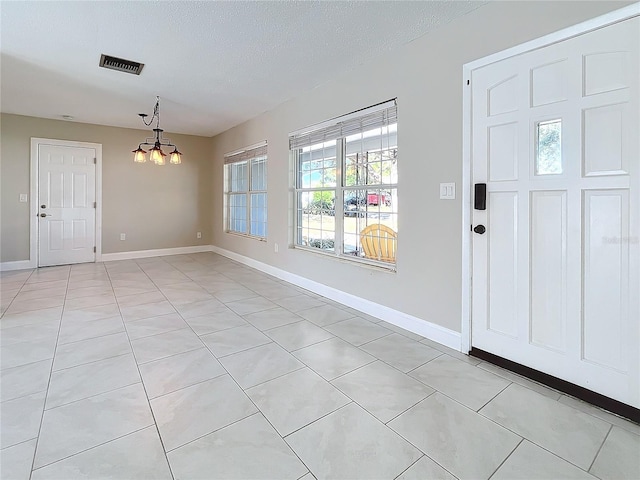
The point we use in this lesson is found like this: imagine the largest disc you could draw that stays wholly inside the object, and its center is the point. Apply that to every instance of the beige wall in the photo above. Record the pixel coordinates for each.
(426, 78)
(157, 207)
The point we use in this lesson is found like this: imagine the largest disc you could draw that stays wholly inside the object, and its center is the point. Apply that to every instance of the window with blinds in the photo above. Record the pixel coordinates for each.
(246, 191)
(346, 201)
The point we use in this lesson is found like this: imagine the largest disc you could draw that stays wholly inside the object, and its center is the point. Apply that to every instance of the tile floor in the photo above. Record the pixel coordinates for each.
(194, 366)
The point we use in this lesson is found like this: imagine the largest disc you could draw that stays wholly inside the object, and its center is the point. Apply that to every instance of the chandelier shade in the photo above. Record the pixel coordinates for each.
(156, 142)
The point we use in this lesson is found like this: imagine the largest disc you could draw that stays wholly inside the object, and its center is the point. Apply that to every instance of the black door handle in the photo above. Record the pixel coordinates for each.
(479, 229)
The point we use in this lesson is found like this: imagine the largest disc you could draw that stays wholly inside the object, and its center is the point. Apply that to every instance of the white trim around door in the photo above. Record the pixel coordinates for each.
(602, 21)
(35, 201)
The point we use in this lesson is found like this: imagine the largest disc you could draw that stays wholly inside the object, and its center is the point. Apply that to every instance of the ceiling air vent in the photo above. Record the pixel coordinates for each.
(120, 64)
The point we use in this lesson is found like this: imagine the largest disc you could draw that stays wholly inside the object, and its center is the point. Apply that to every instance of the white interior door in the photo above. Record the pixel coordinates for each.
(66, 205)
(555, 137)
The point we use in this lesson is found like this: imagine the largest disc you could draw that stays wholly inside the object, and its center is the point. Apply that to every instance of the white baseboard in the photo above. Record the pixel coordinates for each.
(158, 252)
(413, 324)
(16, 265)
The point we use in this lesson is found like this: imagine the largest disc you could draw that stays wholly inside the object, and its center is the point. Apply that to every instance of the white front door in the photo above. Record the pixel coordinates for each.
(66, 205)
(556, 140)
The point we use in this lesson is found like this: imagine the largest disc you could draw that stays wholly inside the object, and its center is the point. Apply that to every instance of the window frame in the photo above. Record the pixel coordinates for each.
(340, 185)
(249, 155)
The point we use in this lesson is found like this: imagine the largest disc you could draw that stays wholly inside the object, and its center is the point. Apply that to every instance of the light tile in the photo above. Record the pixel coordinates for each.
(76, 330)
(260, 364)
(464, 383)
(251, 305)
(135, 456)
(333, 357)
(299, 302)
(185, 294)
(90, 291)
(91, 350)
(451, 352)
(192, 412)
(90, 379)
(234, 294)
(203, 307)
(463, 442)
(298, 335)
(178, 371)
(132, 296)
(155, 325)
(91, 301)
(296, 399)
(146, 310)
(34, 304)
(233, 340)
(601, 414)
(84, 424)
(351, 444)
(225, 454)
(16, 461)
(88, 281)
(399, 330)
(529, 462)
(324, 315)
(531, 385)
(425, 468)
(565, 431)
(357, 331)
(20, 419)
(27, 333)
(57, 292)
(155, 347)
(382, 390)
(92, 313)
(619, 456)
(27, 352)
(272, 318)
(24, 380)
(401, 352)
(276, 291)
(214, 322)
(30, 318)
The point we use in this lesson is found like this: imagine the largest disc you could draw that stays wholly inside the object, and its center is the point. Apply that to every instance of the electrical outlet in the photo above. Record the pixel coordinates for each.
(275, 247)
(123, 236)
(199, 235)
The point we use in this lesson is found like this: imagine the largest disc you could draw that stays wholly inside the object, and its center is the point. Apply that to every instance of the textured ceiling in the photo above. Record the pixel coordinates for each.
(214, 64)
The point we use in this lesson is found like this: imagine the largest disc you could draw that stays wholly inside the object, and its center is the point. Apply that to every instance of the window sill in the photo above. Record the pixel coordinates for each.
(246, 235)
(350, 259)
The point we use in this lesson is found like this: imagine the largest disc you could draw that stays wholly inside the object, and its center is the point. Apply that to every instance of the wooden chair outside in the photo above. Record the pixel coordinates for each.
(379, 242)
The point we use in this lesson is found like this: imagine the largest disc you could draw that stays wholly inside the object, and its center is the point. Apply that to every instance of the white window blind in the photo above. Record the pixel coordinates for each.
(369, 118)
(254, 151)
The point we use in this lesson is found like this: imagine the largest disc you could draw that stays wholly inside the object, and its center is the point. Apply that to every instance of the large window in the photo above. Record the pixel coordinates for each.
(246, 191)
(346, 185)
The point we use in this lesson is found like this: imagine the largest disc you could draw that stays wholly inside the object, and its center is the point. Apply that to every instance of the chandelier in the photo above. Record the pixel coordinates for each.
(156, 155)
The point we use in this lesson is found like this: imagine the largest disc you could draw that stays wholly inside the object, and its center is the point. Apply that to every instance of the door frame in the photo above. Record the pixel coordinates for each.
(35, 195)
(467, 69)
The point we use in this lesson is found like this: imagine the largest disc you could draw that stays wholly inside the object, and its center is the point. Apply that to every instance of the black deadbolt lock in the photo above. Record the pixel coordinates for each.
(479, 229)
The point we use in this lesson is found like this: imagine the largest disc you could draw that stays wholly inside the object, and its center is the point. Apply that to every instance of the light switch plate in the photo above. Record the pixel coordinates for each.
(23, 198)
(447, 191)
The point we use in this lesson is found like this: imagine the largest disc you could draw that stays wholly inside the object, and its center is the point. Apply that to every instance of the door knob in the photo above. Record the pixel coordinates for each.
(44, 215)
(480, 229)
(43, 206)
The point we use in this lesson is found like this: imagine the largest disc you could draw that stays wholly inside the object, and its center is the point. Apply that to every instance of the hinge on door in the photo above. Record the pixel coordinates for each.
(95, 161)
(468, 82)
(94, 249)
(95, 204)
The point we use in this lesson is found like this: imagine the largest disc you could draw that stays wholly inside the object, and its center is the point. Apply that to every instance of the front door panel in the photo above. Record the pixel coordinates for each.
(556, 275)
